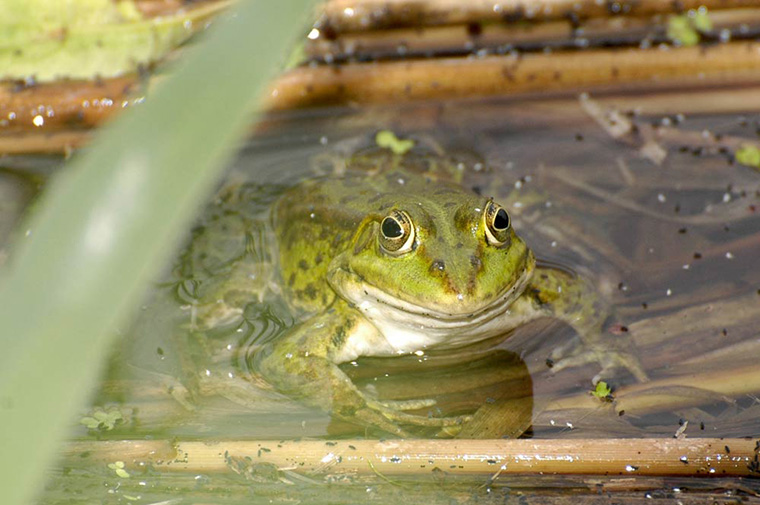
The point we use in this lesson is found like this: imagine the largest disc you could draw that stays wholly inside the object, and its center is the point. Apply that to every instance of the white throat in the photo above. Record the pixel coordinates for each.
(408, 328)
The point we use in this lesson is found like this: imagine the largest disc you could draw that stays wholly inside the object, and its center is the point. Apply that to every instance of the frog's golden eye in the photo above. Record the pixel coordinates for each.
(396, 233)
(497, 224)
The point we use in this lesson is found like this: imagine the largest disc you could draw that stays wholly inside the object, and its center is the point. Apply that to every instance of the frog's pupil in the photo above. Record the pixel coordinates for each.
(391, 228)
(501, 220)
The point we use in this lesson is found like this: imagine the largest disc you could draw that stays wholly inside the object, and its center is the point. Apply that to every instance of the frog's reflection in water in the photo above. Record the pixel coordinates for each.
(491, 389)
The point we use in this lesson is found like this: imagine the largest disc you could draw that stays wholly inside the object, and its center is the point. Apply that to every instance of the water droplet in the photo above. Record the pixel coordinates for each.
(38, 120)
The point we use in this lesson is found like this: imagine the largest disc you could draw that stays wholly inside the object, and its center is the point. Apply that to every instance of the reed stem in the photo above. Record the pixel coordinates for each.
(632, 457)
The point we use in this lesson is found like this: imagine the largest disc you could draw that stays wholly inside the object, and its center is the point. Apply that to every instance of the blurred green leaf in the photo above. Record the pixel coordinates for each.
(82, 39)
(687, 29)
(701, 21)
(388, 140)
(748, 155)
(107, 224)
(681, 31)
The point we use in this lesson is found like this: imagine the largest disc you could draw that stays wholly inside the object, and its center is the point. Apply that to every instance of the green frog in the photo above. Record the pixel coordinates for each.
(392, 263)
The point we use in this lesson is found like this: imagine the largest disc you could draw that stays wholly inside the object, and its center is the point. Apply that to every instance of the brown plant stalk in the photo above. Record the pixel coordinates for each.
(631, 457)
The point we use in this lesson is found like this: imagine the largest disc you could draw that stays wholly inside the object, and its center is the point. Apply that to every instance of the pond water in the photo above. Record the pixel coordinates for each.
(674, 248)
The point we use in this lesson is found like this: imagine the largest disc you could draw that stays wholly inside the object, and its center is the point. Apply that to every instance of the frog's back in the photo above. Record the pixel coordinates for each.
(313, 222)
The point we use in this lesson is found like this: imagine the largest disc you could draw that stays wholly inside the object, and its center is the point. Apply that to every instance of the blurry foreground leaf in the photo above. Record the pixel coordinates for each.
(107, 224)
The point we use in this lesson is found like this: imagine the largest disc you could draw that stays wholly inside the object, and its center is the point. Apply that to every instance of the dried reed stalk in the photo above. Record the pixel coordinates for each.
(389, 82)
(43, 143)
(63, 105)
(495, 37)
(361, 15)
(632, 457)
(733, 64)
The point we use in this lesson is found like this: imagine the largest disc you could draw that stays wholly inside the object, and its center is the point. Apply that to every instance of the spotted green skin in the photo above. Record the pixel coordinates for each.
(324, 226)
(329, 255)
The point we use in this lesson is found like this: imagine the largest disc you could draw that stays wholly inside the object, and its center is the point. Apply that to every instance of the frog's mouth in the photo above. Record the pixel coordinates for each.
(409, 327)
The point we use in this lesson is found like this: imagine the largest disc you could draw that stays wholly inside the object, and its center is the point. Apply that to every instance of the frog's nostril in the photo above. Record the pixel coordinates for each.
(438, 266)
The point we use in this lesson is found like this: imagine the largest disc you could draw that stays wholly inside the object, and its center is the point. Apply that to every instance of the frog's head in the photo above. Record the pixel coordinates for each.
(446, 256)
